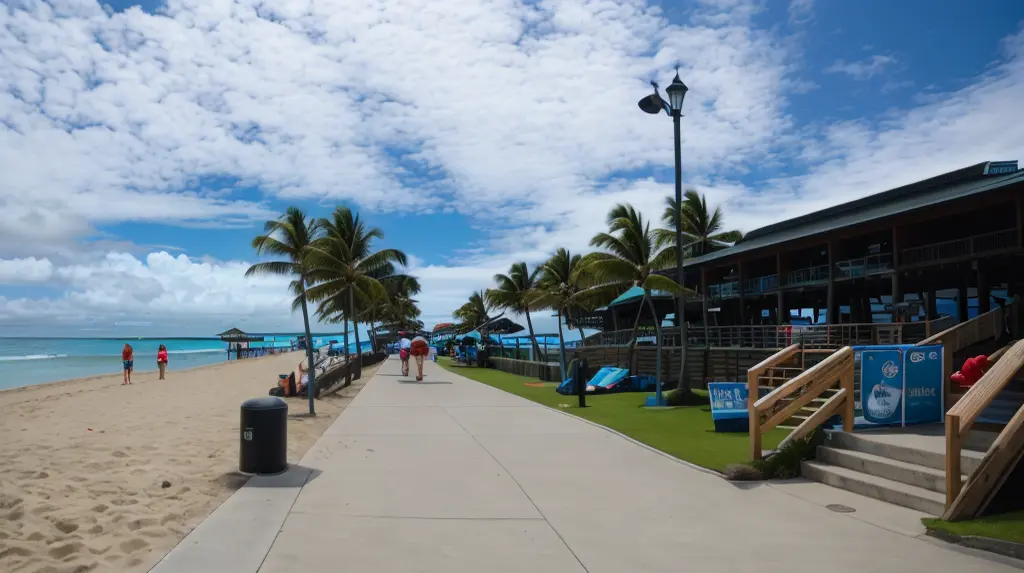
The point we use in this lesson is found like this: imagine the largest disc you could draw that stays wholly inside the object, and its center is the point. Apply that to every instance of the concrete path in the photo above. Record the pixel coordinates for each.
(454, 476)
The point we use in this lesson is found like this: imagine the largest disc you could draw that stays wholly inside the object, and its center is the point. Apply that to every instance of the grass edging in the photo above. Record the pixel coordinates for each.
(684, 434)
(999, 546)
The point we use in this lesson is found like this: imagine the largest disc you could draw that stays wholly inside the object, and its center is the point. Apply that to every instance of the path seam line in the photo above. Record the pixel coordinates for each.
(280, 528)
(520, 486)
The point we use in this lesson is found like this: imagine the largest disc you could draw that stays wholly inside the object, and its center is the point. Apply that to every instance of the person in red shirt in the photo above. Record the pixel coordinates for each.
(419, 349)
(161, 360)
(128, 361)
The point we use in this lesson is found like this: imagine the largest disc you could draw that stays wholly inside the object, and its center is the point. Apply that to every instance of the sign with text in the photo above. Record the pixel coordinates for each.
(922, 379)
(729, 406)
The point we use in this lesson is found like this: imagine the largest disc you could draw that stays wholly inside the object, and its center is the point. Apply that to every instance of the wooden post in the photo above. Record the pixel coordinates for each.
(961, 299)
(932, 306)
(780, 311)
(953, 471)
(1020, 221)
(755, 420)
(743, 288)
(984, 291)
(897, 288)
(830, 296)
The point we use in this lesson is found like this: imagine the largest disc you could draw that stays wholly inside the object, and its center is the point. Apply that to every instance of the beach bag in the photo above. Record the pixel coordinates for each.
(403, 354)
(277, 391)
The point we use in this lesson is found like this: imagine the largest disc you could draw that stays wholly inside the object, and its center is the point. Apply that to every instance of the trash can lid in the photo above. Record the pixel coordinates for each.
(264, 403)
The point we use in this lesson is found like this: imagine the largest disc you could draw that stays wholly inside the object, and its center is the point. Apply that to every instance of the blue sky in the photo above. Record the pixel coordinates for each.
(143, 148)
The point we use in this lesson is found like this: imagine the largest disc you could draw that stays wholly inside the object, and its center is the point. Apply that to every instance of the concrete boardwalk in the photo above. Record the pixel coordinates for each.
(453, 476)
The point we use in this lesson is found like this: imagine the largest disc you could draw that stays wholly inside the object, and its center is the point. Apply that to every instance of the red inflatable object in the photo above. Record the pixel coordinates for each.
(972, 371)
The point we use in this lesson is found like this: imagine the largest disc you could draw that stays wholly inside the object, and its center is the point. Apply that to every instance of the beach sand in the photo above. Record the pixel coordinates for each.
(83, 462)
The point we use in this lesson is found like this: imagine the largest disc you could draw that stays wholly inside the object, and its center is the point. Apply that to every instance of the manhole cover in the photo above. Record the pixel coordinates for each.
(839, 508)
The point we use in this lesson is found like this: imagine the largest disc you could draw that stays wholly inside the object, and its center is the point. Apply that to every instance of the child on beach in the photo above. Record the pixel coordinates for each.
(128, 361)
(161, 360)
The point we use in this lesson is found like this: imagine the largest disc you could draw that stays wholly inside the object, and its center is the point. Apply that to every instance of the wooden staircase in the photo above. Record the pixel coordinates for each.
(789, 367)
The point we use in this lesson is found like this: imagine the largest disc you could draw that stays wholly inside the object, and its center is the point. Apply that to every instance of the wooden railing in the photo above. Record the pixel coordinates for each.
(960, 248)
(967, 502)
(989, 325)
(783, 402)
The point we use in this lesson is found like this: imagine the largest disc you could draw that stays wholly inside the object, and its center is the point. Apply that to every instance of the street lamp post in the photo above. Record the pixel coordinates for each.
(655, 104)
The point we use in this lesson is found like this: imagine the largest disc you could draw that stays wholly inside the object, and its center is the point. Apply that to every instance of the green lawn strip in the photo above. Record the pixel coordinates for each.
(686, 432)
(1008, 526)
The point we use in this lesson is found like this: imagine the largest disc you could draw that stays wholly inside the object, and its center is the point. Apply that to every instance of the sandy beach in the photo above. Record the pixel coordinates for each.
(96, 476)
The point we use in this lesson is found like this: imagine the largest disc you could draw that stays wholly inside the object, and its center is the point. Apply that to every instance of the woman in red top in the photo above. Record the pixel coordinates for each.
(161, 360)
(128, 361)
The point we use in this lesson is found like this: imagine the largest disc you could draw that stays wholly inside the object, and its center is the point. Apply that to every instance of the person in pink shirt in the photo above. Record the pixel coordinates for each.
(161, 360)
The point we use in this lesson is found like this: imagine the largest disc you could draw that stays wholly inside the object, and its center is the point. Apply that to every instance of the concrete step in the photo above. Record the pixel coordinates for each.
(969, 459)
(924, 500)
(895, 470)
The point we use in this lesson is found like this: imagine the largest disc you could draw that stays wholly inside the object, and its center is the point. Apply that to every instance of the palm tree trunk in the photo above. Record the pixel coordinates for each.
(583, 338)
(561, 345)
(348, 367)
(657, 333)
(311, 384)
(533, 337)
(355, 329)
(632, 337)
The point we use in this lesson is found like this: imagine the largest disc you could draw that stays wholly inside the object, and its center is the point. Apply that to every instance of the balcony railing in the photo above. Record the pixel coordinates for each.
(760, 285)
(960, 248)
(724, 290)
(809, 275)
(865, 266)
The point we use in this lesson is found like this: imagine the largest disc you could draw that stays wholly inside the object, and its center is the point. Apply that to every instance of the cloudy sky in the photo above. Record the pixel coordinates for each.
(142, 145)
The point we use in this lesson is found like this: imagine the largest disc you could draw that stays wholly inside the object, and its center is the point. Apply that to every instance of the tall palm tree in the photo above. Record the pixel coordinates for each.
(289, 238)
(561, 279)
(515, 292)
(474, 313)
(631, 255)
(702, 234)
(701, 227)
(347, 272)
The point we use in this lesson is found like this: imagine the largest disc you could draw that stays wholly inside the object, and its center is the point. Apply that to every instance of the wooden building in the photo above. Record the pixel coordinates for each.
(957, 231)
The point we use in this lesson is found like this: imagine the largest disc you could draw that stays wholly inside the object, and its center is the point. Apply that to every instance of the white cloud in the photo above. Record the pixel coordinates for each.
(800, 11)
(119, 289)
(26, 270)
(519, 112)
(863, 69)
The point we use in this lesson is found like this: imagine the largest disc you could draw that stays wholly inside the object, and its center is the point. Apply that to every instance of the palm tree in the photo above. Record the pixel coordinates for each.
(702, 233)
(515, 292)
(561, 280)
(631, 255)
(346, 271)
(289, 237)
(474, 313)
(701, 228)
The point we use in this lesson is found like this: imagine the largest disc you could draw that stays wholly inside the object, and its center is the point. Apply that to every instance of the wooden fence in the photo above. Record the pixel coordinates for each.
(544, 371)
(723, 364)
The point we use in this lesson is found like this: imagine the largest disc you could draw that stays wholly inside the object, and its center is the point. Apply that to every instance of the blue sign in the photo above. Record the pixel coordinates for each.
(922, 394)
(729, 406)
(881, 386)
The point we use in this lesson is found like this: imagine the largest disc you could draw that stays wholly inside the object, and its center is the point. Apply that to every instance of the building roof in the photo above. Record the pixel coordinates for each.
(967, 182)
(635, 293)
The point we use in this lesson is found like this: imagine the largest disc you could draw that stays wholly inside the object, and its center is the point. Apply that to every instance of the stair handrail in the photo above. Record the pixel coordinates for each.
(965, 412)
(806, 387)
(959, 336)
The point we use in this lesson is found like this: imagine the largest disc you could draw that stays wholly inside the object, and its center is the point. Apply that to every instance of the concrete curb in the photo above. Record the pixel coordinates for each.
(998, 546)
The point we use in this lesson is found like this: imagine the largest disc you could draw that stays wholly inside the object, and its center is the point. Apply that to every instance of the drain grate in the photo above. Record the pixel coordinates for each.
(839, 508)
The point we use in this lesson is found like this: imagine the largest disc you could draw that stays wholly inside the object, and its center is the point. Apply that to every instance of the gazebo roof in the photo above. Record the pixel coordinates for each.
(232, 332)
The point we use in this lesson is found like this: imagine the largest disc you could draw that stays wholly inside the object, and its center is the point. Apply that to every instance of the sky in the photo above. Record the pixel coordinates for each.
(143, 145)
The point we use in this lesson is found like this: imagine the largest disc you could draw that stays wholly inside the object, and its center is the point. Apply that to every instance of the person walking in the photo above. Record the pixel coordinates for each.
(419, 349)
(404, 346)
(128, 361)
(161, 360)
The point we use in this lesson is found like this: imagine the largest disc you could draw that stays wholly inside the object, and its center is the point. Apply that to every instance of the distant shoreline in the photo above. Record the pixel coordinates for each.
(84, 379)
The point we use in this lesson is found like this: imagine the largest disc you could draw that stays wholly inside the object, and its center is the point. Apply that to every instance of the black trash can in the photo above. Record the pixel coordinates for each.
(264, 436)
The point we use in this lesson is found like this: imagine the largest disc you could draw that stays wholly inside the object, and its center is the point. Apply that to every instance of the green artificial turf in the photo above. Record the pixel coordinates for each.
(1008, 526)
(685, 432)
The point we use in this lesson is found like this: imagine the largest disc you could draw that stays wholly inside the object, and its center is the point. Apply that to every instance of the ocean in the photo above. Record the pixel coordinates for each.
(28, 361)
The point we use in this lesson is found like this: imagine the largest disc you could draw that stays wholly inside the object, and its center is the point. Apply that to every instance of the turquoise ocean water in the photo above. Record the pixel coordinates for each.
(27, 361)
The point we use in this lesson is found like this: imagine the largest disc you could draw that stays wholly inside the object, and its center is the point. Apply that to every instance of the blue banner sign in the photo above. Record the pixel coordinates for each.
(900, 385)
(729, 406)
(922, 396)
